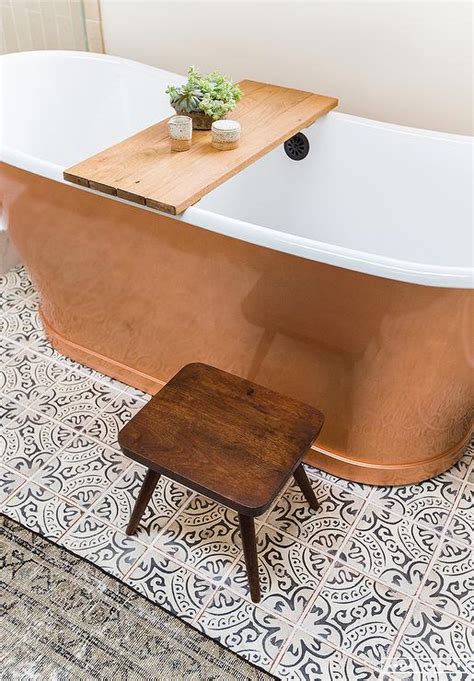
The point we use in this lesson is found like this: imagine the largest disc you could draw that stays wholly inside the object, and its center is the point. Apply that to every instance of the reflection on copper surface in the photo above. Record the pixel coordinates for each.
(137, 295)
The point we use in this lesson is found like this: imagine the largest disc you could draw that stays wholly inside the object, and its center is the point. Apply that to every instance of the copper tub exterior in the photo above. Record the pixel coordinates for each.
(137, 295)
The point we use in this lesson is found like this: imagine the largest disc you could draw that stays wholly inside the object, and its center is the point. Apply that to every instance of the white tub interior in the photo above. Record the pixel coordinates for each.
(61, 107)
(387, 190)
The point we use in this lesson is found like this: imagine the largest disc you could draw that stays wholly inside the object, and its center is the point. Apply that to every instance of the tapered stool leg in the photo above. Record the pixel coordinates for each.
(305, 486)
(147, 489)
(247, 532)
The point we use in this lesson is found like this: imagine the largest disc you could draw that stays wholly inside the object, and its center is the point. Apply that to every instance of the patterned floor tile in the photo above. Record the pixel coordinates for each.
(428, 503)
(14, 291)
(289, 573)
(461, 527)
(75, 400)
(27, 376)
(307, 659)
(117, 505)
(355, 487)
(102, 545)
(22, 325)
(41, 511)
(244, 628)
(8, 349)
(460, 470)
(30, 440)
(139, 394)
(12, 302)
(41, 346)
(327, 526)
(9, 482)
(390, 549)
(46, 348)
(114, 383)
(106, 426)
(450, 583)
(8, 300)
(204, 535)
(82, 471)
(434, 647)
(9, 410)
(357, 614)
(17, 282)
(173, 587)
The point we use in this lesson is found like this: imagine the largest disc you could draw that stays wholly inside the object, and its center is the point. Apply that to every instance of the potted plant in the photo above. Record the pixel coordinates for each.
(204, 98)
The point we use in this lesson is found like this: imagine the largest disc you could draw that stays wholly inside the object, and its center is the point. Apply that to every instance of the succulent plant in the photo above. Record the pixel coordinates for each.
(185, 98)
(214, 94)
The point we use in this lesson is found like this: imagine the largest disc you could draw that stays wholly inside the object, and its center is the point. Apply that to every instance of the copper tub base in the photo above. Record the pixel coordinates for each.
(332, 462)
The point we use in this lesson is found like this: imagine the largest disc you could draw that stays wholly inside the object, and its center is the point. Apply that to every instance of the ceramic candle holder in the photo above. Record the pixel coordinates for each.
(225, 134)
(181, 132)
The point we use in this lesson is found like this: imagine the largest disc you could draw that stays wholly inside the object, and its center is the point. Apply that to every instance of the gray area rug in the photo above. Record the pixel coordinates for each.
(63, 618)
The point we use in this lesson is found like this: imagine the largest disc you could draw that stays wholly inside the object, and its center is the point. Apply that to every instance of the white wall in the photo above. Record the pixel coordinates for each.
(406, 62)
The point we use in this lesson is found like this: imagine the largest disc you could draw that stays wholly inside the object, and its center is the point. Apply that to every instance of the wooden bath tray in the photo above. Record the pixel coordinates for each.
(143, 169)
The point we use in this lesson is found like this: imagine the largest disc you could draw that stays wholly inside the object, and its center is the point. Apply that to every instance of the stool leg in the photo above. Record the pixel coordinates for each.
(305, 486)
(247, 532)
(147, 489)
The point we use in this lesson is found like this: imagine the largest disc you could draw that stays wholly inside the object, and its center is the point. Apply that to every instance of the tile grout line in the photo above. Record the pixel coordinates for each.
(73, 434)
(221, 584)
(17, 489)
(76, 433)
(21, 302)
(64, 361)
(380, 506)
(416, 601)
(152, 545)
(361, 569)
(311, 601)
(227, 573)
(318, 474)
(31, 408)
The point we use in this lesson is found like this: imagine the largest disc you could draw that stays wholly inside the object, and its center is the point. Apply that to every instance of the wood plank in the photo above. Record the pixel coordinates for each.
(143, 168)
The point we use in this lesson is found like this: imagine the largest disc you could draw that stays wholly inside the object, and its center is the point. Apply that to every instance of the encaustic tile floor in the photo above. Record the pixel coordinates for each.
(375, 584)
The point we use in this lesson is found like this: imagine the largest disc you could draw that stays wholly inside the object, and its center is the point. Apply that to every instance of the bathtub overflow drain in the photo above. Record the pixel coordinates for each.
(297, 147)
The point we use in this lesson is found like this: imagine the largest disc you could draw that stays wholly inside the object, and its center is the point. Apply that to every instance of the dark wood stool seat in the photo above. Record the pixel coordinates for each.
(227, 438)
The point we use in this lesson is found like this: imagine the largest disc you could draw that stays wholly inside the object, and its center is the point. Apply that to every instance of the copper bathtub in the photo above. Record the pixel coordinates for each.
(380, 343)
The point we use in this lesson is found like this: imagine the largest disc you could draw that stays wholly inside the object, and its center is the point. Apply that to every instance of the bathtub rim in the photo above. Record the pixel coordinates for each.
(442, 276)
(338, 256)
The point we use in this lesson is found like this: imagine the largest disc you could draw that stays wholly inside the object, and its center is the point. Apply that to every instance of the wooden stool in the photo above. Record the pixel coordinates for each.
(232, 440)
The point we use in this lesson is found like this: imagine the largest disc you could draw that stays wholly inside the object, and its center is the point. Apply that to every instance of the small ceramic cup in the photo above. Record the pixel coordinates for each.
(225, 134)
(181, 132)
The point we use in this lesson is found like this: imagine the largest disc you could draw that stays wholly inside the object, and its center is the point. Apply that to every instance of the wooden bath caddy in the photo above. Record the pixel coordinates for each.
(144, 170)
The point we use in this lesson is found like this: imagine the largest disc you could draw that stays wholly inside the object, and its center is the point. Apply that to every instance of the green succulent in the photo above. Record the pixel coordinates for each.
(213, 94)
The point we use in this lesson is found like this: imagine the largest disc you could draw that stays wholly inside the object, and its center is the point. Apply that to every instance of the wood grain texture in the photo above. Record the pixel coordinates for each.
(145, 170)
(226, 437)
(249, 544)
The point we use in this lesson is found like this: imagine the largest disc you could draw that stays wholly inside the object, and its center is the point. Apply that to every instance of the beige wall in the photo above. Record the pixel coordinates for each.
(50, 24)
(406, 62)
